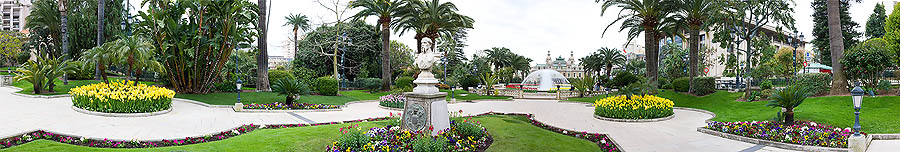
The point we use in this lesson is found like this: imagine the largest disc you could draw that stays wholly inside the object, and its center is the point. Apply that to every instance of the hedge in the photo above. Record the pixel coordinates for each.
(815, 83)
(704, 85)
(326, 86)
(682, 84)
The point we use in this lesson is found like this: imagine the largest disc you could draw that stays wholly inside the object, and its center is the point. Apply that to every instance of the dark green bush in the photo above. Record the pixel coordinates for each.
(704, 85)
(303, 74)
(469, 129)
(884, 85)
(469, 81)
(622, 79)
(765, 84)
(428, 144)
(815, 83)
(404, 82)
(682, 84)
(326, 86)
(373, 84)
(275, 75)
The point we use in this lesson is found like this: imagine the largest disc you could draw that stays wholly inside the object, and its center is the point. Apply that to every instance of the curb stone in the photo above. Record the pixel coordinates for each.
(635, 120)
(770, 143)
(121, 114)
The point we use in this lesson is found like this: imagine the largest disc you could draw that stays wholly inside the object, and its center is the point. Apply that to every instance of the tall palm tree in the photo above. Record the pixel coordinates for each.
(696, 15)
(521, 64)
(499, 57)
(299, 22)
(386, 10)
(836, 38)
(262, 57)
(101, 5)
(651, 17)
(609, 57)
(438, 18)
(411, 20)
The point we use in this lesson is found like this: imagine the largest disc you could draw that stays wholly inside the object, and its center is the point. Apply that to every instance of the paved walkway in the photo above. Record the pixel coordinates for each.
(187, 119)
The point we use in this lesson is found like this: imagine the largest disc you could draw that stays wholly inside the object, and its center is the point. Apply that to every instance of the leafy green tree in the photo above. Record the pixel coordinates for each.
(867, 61)
(359, 52)
(11, 43)
(651, 17)
(193, 52)
(498, 57)
(875, 23)
(783, 63)
(820, 30)
(788, 98)
(401, 57)
(386, 10)
(892, 32)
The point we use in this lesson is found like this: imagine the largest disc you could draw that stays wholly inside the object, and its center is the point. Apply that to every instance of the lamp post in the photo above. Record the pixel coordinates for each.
(64, 34)
(857, 94)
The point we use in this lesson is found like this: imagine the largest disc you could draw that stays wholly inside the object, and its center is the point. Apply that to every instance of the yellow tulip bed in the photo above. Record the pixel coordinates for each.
(636, 107)
(122, 97)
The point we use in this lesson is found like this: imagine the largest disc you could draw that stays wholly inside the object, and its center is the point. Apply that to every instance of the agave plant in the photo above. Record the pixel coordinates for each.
(32, 72)
(788, 98)
(290, 88)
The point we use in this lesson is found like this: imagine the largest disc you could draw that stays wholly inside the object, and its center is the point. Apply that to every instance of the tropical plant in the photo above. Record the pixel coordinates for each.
(499, 57)
(290, 88)
(386, 11)
(102, 56)
(194, 39)
(33, 72)
(584, 85)
(651, 17)
(788, 98)
(697, 14)
(489, 79)
(836, 39)
(56, 68)
(431, 19)
(298, 22)
(137, 53)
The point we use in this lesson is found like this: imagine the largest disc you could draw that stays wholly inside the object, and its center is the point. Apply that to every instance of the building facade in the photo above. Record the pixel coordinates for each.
(13, 13)
(282, 61)
(569, 68)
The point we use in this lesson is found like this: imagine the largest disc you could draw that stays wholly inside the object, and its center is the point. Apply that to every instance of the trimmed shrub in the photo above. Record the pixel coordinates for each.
(704, 86)
(682, 84)
(815, 83)
(275, 75)
(326, 86)
(373, 84)
(404, 82)
(884, 85)
(122, 97)
(765, 84)
(303, 74)
(622, 79)
(635, 107)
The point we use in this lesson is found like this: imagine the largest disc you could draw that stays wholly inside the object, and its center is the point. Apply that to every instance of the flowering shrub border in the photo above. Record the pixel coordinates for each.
(602, 140)
(392, 138)
(803, 133)
(636, 107)
(295, 106)
(392, 101)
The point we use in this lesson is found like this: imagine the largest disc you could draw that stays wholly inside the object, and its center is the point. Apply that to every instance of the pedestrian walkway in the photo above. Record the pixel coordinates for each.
(187, 119)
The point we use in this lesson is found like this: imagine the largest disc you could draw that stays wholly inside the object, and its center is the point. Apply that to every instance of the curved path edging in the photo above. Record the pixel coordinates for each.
(35, 96)
(635, 120)
(700, 111)
(122, 114)
(770, 143)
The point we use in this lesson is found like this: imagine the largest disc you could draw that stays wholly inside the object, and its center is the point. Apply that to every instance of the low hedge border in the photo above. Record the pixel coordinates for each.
(121, 114)
(602, 140)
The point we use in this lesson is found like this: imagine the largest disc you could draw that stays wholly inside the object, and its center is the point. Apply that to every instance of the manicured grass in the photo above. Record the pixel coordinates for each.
(27, 87)
(878, 114)
(261, 97)
(473, 96)
(364, 94)
(511, 134)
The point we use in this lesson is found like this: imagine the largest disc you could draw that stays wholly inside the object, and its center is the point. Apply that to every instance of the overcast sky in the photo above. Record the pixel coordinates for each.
(529, 27)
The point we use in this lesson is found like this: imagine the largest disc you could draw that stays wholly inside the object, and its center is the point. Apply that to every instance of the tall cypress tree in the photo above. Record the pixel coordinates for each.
(875, 23)
(820, 30)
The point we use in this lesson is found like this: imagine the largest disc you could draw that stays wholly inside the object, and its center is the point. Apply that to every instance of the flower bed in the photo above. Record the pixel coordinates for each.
(106, 143)
(392, 101)
(461, 136)
(122, 97)
(637, 107)
(801, 133)
(295, 106)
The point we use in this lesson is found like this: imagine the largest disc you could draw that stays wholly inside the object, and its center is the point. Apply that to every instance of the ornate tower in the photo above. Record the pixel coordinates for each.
(571, 59)
(549, 62)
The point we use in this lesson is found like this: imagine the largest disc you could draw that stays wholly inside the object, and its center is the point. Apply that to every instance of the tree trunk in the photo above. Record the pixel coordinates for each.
(836, 38)
(296, 43)
(386, 54)
(289, 100)
(50, 86)
(749, 80)
(789, 117)
(262, 57)
(692, 56)
(101, 5)
(651, 42)
(418, 44)
(608, 70)
(38, 89)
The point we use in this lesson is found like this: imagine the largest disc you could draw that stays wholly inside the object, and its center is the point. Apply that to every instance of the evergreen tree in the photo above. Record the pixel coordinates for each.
(875, 23)
(820, 30)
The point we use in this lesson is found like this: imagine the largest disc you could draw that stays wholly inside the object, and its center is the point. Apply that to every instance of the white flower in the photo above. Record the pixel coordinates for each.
(804, 128)
(603, 141)
(262, 126)
(236, 132)
(813, 123)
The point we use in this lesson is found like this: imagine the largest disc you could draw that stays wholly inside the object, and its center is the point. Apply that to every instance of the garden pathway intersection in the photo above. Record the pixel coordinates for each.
(23, 114)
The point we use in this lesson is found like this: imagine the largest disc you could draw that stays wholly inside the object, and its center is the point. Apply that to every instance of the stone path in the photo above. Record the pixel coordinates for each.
(187, 119)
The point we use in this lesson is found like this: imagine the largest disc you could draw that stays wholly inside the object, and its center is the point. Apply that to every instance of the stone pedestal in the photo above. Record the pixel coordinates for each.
(238, 107)
(425, 112)
(859, 143)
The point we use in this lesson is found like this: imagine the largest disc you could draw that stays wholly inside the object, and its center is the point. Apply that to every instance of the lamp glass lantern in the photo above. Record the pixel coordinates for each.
(62, 5)
(857, 94)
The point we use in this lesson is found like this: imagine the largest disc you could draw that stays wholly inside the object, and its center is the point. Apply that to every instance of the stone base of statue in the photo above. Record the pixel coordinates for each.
(426, 107)
(859, 143)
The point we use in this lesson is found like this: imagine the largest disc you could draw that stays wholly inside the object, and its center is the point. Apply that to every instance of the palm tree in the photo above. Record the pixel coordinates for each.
(411, 20)
(836, 38)
(788, 98)
(262, 58)
(521, 64)
(101, 5)
(437, 18)
(386, 10)
(299, 22)
(45, 18)
(102, 56)
(651, 17)
(609, 57)
(290, 88)
(137, 53)
(696, 14)
(499, 57)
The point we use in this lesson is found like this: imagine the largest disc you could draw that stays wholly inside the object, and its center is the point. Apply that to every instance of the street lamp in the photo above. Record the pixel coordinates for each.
(238, 84)
(857, 94)
(65, 36)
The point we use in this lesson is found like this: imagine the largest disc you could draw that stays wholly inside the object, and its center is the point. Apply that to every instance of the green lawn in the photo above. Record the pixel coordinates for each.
(261, 97)
(878, 114)
(27, 87)
(363, 94)
(511, 134)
